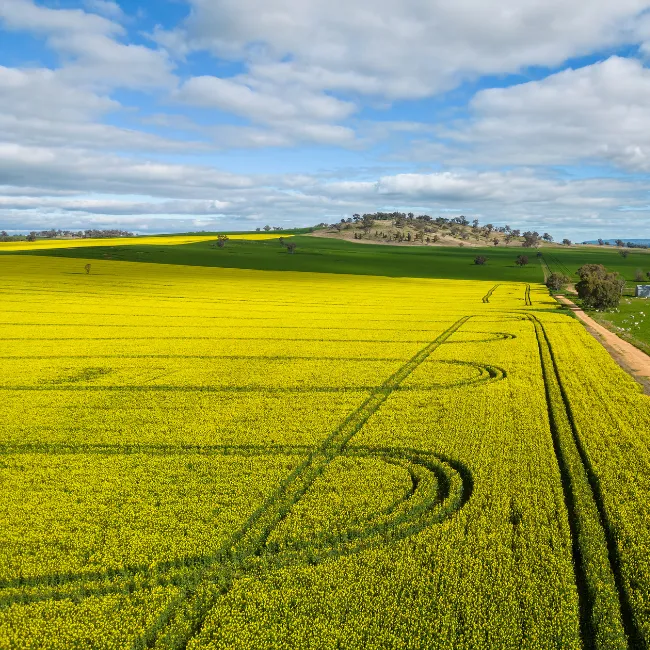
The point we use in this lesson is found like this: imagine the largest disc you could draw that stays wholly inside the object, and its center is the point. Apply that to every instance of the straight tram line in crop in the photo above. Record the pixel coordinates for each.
(606, 616)
(486, 297)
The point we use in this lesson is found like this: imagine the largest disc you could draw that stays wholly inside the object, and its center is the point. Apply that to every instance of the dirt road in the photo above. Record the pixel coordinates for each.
(631, 359)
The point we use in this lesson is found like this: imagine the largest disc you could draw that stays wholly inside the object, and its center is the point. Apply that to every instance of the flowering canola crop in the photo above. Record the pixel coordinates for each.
(222, 458)
(163, 240)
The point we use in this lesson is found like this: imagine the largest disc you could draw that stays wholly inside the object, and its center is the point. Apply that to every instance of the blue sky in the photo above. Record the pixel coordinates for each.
(231, 114)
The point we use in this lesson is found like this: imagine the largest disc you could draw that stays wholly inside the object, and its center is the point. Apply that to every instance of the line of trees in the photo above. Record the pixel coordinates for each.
(54, 233)
(622, 244)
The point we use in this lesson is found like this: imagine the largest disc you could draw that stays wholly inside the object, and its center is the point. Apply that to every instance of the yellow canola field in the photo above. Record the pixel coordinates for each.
(163, 240)
(223, 458)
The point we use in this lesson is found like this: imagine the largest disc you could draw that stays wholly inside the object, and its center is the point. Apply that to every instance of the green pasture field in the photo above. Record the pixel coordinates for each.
(631, 321)
(568, 260)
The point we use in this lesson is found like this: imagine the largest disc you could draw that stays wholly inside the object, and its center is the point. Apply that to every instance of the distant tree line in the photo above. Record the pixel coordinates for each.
(621, 243)
(54, 233)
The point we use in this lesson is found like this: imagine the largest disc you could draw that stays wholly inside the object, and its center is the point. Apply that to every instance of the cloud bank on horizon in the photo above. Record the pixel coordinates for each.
(229, 114)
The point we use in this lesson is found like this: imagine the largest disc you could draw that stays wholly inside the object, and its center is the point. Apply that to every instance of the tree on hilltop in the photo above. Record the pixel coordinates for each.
(531, 239)
(367, 222)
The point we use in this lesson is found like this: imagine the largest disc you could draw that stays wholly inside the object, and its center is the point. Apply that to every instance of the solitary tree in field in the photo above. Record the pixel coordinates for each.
(598, 288)
(480, 260)
(601, 242)
(638, 276)
(623, 253)
(556, 281)
(291, 246)
(221, 240)
(566, 242)
(522, 260)
(87, 267)
(620, 242)
(267, 228)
